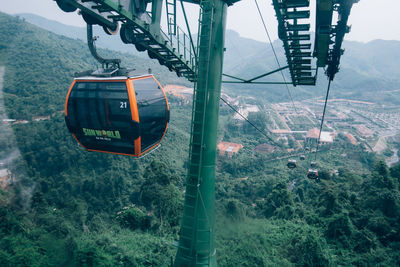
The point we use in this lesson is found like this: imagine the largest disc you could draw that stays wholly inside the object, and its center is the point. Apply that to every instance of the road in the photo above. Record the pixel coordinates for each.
(393, 159)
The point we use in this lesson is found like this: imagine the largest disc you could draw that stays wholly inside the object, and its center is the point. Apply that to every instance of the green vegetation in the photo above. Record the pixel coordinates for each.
(69, 207)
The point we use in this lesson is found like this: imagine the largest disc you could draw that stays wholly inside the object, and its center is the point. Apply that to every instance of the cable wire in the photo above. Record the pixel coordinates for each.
(322, 120)
(252, 124)
(276, 57)
(277, 61)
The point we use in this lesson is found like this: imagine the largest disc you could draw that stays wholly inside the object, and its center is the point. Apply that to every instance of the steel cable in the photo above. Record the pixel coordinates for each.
(322, 119)
(276, 57)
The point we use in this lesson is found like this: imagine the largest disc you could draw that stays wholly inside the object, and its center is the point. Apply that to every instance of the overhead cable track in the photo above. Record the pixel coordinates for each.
(295, 36)
(276, 57)
(143, 32)
(343, 8)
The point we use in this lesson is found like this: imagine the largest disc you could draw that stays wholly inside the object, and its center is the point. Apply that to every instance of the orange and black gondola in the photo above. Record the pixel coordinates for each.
(121, 115)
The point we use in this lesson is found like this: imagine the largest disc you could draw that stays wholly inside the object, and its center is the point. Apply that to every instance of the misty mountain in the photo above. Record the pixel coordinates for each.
(371, 71)
(365, 69)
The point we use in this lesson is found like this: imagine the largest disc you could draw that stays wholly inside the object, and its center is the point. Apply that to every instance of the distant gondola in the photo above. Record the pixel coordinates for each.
(313, 165)
(291, 164)
(121, 115)
(312, 174)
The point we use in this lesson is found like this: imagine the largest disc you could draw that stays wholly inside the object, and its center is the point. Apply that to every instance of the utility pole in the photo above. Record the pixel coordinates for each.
(196, 245)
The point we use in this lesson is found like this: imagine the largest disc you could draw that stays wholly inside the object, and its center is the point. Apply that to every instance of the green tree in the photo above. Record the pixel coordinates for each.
(159, 194)
(279, 202)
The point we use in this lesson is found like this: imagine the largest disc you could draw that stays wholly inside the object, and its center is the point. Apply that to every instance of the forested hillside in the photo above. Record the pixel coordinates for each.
(74, 208)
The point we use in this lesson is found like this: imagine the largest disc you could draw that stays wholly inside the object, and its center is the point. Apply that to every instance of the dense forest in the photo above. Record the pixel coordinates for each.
(68, 207)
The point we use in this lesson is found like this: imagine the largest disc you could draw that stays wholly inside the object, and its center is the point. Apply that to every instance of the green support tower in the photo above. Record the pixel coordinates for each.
(196, 245)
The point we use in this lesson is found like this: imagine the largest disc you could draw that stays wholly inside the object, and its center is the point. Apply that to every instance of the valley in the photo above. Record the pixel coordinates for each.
(69, 207)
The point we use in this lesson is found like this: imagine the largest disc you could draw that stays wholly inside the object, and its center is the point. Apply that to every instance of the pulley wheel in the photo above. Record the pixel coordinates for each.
(66, 7)
(140, 47)
(111, 31)
(89, 19)
(126, 34)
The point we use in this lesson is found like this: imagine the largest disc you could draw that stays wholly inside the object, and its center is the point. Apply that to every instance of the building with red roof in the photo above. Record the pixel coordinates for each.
(351, 139)
(326, 137)
(226, 148)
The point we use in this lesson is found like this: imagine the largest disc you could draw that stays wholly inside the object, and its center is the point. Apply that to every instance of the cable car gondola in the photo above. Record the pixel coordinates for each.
(125, 115)
(292, 163)
(313, 165)
(312, 174)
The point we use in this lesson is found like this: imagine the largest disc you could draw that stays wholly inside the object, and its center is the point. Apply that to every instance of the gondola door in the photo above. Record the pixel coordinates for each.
(153, 112)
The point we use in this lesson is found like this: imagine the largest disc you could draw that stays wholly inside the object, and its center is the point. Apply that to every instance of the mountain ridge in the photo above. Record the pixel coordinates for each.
(365, 67)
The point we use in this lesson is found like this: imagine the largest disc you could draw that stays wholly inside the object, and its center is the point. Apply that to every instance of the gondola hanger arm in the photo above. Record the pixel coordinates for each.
(113, 63)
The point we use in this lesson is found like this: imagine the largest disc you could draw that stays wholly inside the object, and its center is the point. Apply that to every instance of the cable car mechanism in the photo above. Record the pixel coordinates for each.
(110, 29)
(115, 110)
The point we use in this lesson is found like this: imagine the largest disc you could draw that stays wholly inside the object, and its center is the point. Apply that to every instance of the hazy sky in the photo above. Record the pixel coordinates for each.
(370, 19)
